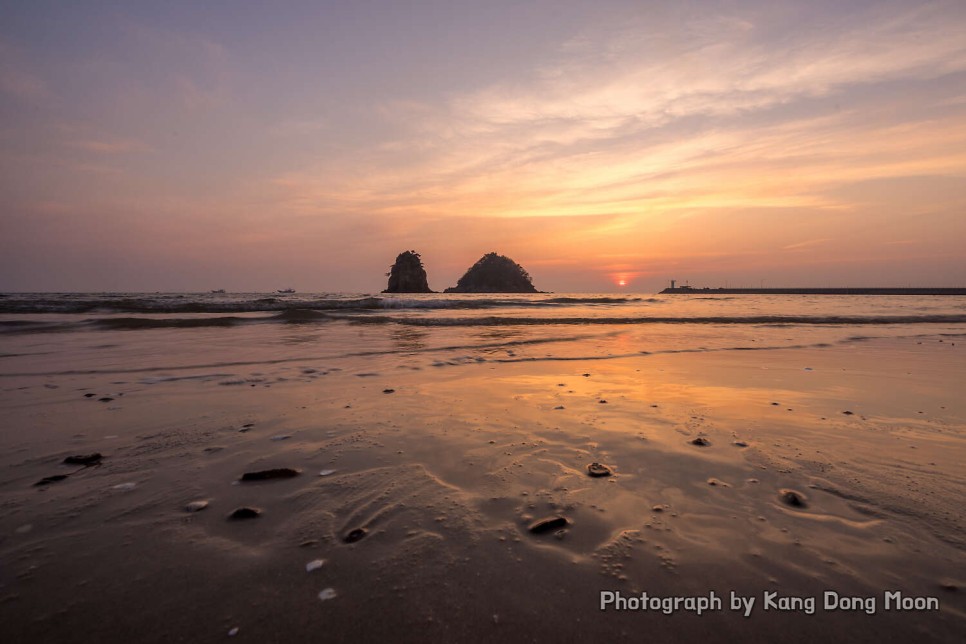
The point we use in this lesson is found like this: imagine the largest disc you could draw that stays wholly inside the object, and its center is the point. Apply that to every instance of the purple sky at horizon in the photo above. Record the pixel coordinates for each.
(254, 146)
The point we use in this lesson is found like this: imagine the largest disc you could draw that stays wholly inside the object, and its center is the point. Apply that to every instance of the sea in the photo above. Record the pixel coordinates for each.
(226, 337)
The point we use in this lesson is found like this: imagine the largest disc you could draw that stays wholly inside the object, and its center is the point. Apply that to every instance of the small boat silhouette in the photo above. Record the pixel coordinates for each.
(286, 290)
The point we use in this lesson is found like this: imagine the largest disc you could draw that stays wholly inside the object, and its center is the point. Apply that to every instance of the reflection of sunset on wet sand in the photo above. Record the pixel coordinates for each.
(486, 444)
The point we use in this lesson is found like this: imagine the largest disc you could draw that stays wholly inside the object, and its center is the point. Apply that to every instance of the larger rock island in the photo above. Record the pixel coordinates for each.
(407, 275)
(494, 274)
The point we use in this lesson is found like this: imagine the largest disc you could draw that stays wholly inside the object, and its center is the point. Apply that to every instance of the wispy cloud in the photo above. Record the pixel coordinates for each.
(17, 79)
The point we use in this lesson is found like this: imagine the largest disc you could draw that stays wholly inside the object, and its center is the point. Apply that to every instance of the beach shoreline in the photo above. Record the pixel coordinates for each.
(445, 468)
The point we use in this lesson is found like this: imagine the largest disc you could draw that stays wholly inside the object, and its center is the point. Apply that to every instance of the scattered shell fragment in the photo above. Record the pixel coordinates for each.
(47, 480)
(793, 498)
(281, 437)
(245, 513)
(596, 470)
(328, 593)
(265, 475)
(124, 487)
(315, 564)
(233, 631)
(84, 459)
(548, 524)
(196, 506)
(326, 472)
(355, 535)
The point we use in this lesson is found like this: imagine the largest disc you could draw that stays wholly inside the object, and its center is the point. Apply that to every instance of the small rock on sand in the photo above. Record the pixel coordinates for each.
(328, 593)
(740, 444)
(84, 459)
(89, 395)
(265, 475)
(602, 402)
(547, 525)
(355, 535)
(244, 513)
(233, 631)
(105, 399)
(701, 441)
(315, 564)
(196, 506)
(388, 391)
(793, 498)
(596, 469)
(47, 480)
(326, 472)
(847, 413)
(281, 437)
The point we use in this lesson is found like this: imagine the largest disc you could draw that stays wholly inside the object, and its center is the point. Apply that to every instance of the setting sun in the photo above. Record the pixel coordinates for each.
(622, 283)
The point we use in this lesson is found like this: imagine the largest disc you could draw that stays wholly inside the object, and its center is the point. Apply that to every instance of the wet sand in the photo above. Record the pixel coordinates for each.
(445, 463)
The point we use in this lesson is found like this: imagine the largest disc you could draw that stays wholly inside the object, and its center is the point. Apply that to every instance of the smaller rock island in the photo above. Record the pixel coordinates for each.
(407, 275)
(494, 274)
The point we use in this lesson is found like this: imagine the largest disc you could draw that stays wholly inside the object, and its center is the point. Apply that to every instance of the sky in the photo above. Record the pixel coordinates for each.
(253, 146)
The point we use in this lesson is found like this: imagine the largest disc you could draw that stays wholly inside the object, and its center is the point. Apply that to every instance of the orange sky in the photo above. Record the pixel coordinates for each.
(184, 149)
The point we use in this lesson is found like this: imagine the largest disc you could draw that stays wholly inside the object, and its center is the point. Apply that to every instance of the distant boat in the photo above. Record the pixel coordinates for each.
(218, 290)
(286, 290)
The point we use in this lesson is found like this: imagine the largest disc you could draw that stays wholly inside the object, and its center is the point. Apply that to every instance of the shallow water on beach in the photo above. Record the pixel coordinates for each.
(445, 430)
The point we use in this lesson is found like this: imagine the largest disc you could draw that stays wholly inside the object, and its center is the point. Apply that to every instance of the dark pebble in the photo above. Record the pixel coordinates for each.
(596, 469)
(89, 395)
(775, 404)
(793, 499)
(105, 399)
(264, 475)
(602, 402)
(244, 513)
(548, 524)
(355, 535)
(388, 391)
(847, 413)
(586, 375)
(740, 444)
(47, 480)
(84, 459)
(700, 441)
